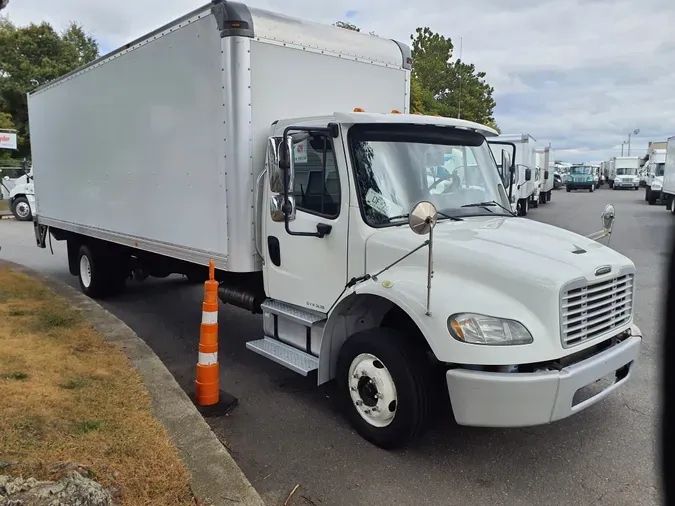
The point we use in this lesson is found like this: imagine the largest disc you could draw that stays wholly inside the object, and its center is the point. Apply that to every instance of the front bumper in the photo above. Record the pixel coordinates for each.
(580, 185)
(492, 399)
(625, 184)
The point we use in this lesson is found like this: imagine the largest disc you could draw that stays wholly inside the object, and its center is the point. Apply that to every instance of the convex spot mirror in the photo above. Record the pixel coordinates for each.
(608, 216)
(528, 174)
(279, 161)
(507, 168)
(423, 217)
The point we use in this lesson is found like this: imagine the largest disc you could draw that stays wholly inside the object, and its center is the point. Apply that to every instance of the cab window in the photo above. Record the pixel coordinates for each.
(317, 183)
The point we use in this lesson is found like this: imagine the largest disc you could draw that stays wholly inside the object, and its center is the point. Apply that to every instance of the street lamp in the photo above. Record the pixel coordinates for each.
(635, 132)
(623, 143)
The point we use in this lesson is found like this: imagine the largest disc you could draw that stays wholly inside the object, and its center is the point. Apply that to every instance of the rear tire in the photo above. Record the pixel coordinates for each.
(548, 196)
(100, 273)
(569, 189)
(385, 369)
(523, 205)
(647, 192)
(592, 188)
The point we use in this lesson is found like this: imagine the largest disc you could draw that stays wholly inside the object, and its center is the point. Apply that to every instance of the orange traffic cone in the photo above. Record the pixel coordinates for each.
(207, 391)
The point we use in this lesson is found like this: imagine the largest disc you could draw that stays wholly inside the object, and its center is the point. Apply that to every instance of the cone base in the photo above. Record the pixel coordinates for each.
(225, 404)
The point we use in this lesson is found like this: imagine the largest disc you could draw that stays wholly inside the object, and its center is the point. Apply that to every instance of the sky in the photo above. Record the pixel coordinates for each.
(578, 74)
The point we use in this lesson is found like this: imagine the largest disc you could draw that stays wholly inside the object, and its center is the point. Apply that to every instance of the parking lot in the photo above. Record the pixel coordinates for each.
(286, 431)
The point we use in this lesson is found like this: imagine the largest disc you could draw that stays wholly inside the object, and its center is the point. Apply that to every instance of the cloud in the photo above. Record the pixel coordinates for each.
(579, 74)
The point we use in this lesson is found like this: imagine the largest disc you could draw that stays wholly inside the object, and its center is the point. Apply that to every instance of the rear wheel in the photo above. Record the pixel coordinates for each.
(523, 206)
(647, 192)
(383, 386)
(592, 188)
(548, 196)
(100, 273)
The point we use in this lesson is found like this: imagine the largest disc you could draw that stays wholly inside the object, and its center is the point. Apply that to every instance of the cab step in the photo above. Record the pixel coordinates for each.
(283, 354)
(297, 314)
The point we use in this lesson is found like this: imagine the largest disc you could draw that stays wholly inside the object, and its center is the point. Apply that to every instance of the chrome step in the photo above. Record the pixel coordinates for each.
(306, 317)
(296, 360)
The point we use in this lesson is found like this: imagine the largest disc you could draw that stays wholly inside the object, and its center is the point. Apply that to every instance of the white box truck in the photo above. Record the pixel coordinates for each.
(523, 191)
(544, 161)
(217, 137)
(611, 171)
(654, 170)
(668, 190)
(626, 172)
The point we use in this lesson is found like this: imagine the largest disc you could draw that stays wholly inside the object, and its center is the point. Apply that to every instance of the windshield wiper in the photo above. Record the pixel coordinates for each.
(487, 205)
(442, 215)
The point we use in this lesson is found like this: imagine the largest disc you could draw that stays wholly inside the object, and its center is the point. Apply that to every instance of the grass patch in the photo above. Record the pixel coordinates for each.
(4, 205)
(68, 395)
(18, 376)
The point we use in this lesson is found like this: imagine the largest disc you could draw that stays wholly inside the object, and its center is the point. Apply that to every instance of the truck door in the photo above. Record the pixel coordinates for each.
(310, 272)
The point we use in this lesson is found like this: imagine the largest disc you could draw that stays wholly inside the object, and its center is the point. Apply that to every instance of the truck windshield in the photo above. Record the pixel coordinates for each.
(581, 169)
(626, 172)
(660, 169)
(397, 166)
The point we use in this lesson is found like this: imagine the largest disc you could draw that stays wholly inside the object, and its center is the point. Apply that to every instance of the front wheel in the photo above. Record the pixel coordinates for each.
(383, 386)
(592, 189)
(647, 192)
(652, 199)
(21, 209)
(523, 206)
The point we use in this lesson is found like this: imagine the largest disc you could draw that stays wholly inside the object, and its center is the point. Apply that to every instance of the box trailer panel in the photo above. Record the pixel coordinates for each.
(133, 146)
(669, 170)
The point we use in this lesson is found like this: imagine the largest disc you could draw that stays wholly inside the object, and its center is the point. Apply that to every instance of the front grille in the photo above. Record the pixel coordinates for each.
(595, 309)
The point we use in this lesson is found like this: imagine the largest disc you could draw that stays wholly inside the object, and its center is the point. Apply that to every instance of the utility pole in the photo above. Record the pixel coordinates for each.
(459, 77)
(635, 132)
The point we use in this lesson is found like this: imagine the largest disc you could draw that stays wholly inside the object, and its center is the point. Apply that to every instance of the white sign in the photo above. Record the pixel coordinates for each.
(300, 152)
(382, 204)
(7, 141)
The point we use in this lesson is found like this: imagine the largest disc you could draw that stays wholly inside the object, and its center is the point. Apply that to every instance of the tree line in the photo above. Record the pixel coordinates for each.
(33, 55)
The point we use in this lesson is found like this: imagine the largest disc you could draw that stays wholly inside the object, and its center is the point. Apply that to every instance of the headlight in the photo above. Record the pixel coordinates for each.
(480, 329)
(636, 180)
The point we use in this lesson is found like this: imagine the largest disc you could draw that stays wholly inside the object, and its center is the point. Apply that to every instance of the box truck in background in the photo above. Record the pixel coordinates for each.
(654, 171)
(626, 172)
(524, 192)
(246, 142)
(668, 190)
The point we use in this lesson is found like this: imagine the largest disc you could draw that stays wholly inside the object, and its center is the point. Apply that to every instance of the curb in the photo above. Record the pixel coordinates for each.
(216, 478)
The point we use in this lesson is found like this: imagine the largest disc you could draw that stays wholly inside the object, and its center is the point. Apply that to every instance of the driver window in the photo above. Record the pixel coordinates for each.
(316, 190)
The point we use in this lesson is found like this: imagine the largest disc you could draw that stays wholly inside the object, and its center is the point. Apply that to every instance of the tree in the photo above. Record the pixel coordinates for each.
(3, 4)
(444, 87)
(34, 55)
(347, 26)
(457, 88)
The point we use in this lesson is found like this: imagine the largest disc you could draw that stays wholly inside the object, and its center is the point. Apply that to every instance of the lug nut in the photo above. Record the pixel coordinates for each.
(366, 411)
(359, 403)
(375, 408)
(353, 389)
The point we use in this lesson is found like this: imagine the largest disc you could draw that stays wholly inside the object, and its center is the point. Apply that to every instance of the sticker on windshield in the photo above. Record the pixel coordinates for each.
(300, 152)
(382, 204)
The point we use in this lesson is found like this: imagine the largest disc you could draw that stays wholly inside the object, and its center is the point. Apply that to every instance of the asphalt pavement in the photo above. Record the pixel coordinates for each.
(287, 431)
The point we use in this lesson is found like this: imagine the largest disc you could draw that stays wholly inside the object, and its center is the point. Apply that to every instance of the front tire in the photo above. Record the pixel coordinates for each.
(383, 386)
(523, 206)
(592, 188)
(647, 192)
(21, 209)
(652, 199)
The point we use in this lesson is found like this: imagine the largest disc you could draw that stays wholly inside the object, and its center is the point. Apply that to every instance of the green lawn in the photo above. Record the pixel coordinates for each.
(4, 205)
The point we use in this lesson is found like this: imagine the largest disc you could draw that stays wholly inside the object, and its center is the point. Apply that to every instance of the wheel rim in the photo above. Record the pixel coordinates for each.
(372, 390)
(85, 271)
(22, 210)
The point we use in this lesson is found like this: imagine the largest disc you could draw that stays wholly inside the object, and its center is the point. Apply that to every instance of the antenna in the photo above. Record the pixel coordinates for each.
(459, 76)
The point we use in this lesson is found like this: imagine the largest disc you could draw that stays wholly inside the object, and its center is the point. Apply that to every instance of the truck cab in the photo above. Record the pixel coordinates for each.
(626, 172)
(654, 172)
(22, 197)
(391, 299)
(581, 177)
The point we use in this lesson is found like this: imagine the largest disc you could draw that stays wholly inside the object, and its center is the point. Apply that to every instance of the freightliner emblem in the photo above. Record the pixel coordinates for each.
(605, 269)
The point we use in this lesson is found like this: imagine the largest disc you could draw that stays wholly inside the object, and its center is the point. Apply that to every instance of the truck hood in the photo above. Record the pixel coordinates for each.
(485, 249)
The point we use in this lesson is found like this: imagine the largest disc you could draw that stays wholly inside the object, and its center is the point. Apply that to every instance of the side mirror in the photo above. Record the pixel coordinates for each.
(6, 178)
(546, 175)
(507, 168)
(277, 208)
(422, 218)
(608, 217)
(274, 164)
(528, 174)
(652, 175)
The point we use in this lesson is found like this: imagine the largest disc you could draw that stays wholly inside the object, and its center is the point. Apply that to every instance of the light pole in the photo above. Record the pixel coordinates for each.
(623, 143)
(635, 132)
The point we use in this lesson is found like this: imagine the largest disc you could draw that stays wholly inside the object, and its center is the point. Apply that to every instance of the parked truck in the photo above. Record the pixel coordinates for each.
(668, 190)
(626, 172)
(654, 170)
(543, 160)
(581, 177)
(21, 196)
(283, 151)
(611, 170)
(525, 184)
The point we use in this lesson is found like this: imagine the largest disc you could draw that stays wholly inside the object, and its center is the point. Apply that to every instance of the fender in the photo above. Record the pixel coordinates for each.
(365, 305)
